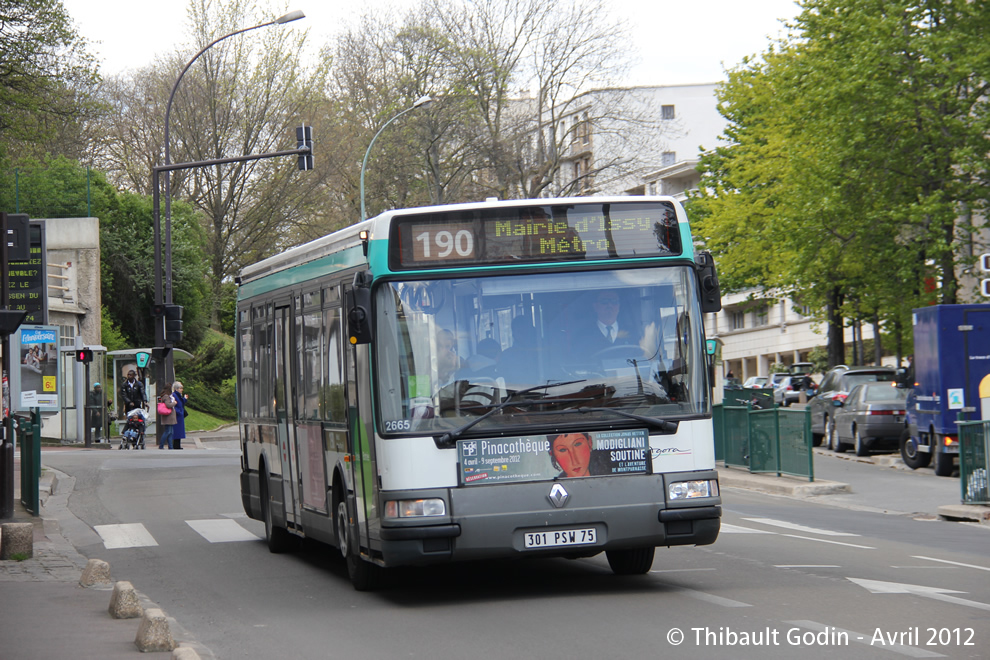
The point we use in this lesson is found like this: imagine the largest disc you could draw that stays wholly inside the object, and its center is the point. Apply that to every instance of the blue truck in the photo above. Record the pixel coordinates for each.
(951, 360)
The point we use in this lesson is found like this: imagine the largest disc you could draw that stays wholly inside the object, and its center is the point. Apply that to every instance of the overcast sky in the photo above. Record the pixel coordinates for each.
(674, 42)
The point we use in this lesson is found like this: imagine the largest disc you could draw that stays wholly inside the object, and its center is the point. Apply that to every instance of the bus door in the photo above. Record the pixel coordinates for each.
(284, 415)
(360, 431)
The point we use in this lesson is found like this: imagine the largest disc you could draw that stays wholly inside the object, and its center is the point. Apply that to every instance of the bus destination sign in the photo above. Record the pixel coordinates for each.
(534, 234)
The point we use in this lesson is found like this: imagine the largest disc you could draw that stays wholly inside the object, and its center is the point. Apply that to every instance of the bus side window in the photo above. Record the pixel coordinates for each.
(334, 404)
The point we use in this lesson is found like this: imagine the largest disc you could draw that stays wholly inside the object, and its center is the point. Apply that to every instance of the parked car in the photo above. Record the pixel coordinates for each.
(774, 380)
(786, 391)
(871, 417)
(755, 382)
(801, 368)
(838, 383)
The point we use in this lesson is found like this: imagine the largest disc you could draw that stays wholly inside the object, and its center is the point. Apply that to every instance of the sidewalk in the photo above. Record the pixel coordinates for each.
(37, 593)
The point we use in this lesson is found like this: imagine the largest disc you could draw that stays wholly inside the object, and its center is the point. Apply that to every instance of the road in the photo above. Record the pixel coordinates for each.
(787, 577)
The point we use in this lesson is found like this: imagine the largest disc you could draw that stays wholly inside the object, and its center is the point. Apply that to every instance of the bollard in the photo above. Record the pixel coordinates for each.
(16, 540)
(96, 573)
(124, 603)
(154, 633)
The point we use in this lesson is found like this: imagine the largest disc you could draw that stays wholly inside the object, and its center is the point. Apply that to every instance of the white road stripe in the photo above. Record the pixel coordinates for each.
(811, 538)
(712, 599)
(863, 638)
(798, 528)
(223, 530)
(726, 528)
(130, 535)
(806, 566)
(954, 563)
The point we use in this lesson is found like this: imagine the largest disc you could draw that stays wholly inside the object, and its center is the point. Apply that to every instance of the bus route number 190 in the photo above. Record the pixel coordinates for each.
(561, 537)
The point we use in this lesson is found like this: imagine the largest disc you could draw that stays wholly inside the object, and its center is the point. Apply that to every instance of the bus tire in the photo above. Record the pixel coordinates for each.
(943, 464)
(364, 575)
(631, 561)
(913, 458)
(279, 539)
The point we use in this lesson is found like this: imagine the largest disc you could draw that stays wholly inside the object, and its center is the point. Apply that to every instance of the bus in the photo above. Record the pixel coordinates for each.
(501, 379)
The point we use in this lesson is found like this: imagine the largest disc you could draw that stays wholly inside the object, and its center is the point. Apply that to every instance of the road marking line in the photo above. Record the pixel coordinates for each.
(936, 593)
(954, 563)
(798, 528)
(222, 530)
(806, 566)
(726, 528)
(711, 598)
(129, 535)
(863, 638)
(682, 570)
(811, 538)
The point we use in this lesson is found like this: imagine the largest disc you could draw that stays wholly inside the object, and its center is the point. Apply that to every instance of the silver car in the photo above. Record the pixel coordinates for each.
(871, 417)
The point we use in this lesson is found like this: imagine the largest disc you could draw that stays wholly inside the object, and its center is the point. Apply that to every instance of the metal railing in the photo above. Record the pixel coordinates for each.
(29, 440)
(974, 449)
(764, 440)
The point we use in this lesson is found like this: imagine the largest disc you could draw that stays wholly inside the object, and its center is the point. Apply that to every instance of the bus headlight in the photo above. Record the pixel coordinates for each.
(415, 508)
(686, 490)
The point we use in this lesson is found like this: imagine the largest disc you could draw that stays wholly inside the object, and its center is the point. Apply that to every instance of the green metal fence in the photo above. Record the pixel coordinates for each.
(774, 440)
(29, 440)
(974, 448)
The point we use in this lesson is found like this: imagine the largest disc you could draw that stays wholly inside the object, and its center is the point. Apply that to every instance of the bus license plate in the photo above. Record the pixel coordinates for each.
(560, 537)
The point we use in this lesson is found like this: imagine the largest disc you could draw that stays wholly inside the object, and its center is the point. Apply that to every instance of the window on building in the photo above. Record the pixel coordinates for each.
(760, 316)
(668, 158)
(737, 320)
(667, 112)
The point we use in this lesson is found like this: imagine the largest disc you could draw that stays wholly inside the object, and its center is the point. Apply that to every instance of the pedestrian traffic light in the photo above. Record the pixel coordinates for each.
(172, 317)
(304, 140)
(84, 355)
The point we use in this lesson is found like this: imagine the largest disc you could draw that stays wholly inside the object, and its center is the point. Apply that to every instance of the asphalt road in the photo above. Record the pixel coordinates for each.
(787, 577)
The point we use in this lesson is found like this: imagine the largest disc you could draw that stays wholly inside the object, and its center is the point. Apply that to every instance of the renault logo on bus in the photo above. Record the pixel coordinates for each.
(558, 496)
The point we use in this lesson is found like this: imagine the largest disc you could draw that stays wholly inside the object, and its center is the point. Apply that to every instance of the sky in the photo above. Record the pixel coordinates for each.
(673, 42)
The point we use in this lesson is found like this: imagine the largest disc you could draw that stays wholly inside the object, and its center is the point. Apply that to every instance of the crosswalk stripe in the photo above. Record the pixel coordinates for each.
(127, 535)
(223, 530)
(798, 528)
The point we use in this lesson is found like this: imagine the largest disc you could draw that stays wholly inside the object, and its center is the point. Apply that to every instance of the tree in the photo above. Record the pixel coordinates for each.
(45, 79)
(850, 159)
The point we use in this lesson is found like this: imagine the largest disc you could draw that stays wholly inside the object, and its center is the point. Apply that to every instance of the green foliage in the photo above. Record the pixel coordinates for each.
(110, 335)
(201, 421)
(209, 377)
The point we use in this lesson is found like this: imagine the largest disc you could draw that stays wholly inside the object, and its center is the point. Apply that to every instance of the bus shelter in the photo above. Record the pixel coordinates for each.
(145, 366)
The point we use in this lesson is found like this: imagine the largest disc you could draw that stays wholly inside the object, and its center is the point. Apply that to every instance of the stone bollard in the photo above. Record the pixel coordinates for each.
(96, 573)
(154, 633)
(124, 603)
(185, 653)
(16, 540)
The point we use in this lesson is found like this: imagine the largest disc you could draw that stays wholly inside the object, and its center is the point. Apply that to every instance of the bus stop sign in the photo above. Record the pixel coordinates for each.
(142, 359)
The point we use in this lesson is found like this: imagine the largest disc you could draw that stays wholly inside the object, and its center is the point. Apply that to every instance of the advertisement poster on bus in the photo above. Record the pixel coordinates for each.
(558, 455)
(34, 379)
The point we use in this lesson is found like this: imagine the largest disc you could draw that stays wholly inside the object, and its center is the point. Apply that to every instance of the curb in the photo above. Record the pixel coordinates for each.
(965, 512)
(783, 485)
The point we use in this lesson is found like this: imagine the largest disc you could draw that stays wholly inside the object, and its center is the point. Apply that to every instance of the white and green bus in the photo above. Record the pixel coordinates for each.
(475, 381)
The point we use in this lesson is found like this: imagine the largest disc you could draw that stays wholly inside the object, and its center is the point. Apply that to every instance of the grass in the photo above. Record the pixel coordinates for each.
(200, 421)
(20, 556)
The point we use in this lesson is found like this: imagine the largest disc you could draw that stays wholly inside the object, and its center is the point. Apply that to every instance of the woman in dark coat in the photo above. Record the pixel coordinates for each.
(179, 430)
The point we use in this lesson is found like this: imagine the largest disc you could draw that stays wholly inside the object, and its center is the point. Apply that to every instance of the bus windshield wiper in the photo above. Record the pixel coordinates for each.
(449, 439)
(655, 422)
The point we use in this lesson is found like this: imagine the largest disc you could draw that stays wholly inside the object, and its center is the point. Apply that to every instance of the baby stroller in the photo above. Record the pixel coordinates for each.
(132, 436)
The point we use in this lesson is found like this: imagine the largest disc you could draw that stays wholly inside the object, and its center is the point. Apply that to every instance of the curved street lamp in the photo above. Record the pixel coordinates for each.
(420, 102)
(163, 294)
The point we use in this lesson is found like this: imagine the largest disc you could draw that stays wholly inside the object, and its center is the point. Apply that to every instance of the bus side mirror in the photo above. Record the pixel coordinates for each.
(711, 294)
(358, 304)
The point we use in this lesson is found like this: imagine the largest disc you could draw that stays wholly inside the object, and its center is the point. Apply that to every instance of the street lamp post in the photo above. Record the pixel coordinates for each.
(163, 276)
(420, 102)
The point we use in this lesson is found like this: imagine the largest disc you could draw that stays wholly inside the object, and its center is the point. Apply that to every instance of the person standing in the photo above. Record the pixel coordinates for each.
(94, 407)
(179, 430)
(132, 393)
(166, 421)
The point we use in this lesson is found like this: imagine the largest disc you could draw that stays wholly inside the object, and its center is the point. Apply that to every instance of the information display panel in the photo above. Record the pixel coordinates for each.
(532, 234)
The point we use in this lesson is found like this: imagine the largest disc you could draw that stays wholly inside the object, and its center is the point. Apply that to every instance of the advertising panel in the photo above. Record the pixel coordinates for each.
(544, 457)
(34, 377)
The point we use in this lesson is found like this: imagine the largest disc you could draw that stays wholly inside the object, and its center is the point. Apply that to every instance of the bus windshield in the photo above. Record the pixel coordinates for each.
(561, 350)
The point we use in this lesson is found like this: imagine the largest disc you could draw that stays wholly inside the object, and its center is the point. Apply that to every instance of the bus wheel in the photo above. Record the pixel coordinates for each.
(634, 561)
(943, 464)
(279, 539)
(913, 458)
(364, 575)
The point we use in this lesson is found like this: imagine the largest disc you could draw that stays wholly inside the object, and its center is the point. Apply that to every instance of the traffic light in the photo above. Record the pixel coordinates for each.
(172, 315)
(304, 139)
(84, 355)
